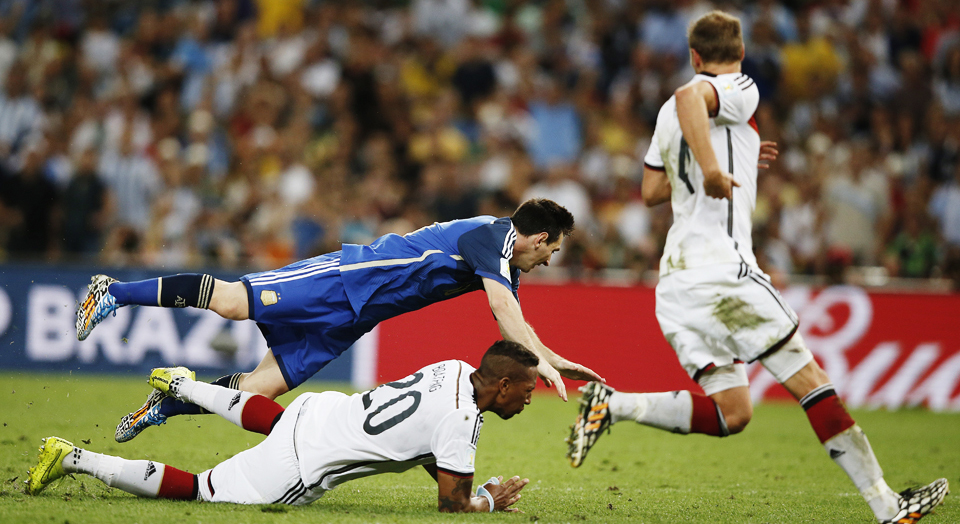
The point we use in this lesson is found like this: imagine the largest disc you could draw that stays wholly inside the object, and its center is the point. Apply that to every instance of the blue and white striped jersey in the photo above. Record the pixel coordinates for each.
(396, 274)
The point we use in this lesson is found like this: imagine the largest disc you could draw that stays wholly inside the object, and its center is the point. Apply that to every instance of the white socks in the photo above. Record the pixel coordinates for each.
(851, 451)
(228, 403)
(139, 477)
(670, 411)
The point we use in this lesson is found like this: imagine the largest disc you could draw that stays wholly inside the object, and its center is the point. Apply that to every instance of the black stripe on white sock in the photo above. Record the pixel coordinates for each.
(811, 399)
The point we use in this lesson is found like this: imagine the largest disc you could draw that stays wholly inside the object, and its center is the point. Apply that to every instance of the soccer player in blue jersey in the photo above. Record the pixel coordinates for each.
(311, 311)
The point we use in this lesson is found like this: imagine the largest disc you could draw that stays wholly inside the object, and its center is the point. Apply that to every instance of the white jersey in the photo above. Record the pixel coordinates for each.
(430, 416)
(707, 230)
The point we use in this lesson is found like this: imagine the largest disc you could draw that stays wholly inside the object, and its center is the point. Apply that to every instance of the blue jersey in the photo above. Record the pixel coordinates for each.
(396, 274)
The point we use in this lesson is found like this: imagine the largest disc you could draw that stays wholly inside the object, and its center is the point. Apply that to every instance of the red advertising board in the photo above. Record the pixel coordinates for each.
(880, 349)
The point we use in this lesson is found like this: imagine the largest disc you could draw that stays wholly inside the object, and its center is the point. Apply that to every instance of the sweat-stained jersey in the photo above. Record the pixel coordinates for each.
(396, 274)
(430, 416)
(707, 230)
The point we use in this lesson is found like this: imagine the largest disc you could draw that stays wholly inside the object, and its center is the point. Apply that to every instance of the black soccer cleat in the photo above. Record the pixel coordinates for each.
(592, 421)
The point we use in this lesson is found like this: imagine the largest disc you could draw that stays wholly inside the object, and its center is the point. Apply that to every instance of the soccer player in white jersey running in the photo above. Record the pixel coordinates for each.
(431, 418)
(716, 308)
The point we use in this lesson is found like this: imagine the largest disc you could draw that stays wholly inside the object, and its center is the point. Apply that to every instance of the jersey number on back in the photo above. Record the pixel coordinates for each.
(684, 159)
(376, 429)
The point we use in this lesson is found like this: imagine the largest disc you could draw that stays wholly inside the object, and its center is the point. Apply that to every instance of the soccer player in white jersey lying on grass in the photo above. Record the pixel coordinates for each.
(431, 418)
(715, 306)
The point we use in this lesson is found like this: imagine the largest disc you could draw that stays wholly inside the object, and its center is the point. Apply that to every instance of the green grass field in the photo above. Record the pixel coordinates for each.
(775, 471)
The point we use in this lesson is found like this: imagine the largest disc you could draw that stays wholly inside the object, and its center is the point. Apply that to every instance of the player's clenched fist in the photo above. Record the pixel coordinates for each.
(719, 184)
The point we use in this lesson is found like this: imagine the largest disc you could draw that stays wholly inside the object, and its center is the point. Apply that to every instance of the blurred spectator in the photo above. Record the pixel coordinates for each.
(133, 179)
(30, 214)
(913, 252)
(445, 20)
(801, 225)
(763, 62)
(474, 77)
(945, 208)
(86, 209)
(947, 83)
(21, 117)
(555, 136)
(811, 64)
(857, 202)
(664, 28)
(559, 185)
(8, 50)
(625, 222)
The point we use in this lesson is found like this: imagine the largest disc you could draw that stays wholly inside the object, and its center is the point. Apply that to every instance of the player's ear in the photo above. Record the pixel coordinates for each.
(503, 385)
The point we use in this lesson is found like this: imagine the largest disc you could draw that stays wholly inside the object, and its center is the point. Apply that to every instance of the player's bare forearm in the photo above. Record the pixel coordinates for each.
(694, 103)
(513, 327)
(565, 367)
(456, 494)
(656, 187)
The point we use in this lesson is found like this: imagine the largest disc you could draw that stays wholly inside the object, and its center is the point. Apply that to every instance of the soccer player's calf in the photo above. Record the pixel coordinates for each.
(793, 365)
(146, 478)
(250, 411)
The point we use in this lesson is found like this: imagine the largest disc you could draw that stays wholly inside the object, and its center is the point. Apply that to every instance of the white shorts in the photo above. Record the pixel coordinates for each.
(722, 314)
(267, 473)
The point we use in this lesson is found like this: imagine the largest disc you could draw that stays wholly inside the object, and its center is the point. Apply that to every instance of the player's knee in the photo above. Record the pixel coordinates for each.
(738, 418)
(229, 300)
(253, 384)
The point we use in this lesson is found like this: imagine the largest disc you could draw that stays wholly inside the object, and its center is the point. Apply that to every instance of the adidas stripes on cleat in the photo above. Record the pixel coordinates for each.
(167, 380)
(593, 420)
(917, 502)
(148, 415)
(98, 304)
(49, 465)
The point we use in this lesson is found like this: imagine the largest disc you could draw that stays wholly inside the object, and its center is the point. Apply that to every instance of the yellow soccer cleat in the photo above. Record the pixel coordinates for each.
(50, 464)
(165, 379)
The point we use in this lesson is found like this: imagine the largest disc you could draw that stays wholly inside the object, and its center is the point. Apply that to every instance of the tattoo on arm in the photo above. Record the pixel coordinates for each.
(449, 505)
(461, 492)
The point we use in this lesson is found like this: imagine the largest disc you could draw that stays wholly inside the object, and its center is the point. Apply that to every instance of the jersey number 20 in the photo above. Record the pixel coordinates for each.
(376, 429)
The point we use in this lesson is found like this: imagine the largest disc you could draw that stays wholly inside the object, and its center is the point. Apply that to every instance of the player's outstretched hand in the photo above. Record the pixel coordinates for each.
(575, 371)
(551, 377)
(768, 153)
(507, 493)
(719, 185)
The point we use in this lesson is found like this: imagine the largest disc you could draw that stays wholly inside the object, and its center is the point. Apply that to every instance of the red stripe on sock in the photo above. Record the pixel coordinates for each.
(176, 484)
(704, 419)
(259, 413)
(829, 418)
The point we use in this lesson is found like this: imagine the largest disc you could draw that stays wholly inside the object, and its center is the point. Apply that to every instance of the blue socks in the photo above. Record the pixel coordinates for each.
(171, 407)
(143, 293)
(189, 289)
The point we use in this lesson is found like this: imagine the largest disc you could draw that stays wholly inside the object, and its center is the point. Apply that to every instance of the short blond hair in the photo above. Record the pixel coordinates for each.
(716, 37)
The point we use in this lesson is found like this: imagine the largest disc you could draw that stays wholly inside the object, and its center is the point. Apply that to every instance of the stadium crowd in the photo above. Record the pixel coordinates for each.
(251, 133)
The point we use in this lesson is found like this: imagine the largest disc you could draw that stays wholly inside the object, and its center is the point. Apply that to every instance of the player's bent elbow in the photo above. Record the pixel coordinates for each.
(651, 200)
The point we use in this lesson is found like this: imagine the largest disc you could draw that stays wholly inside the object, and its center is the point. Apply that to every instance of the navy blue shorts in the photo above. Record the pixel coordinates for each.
(304, 314)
